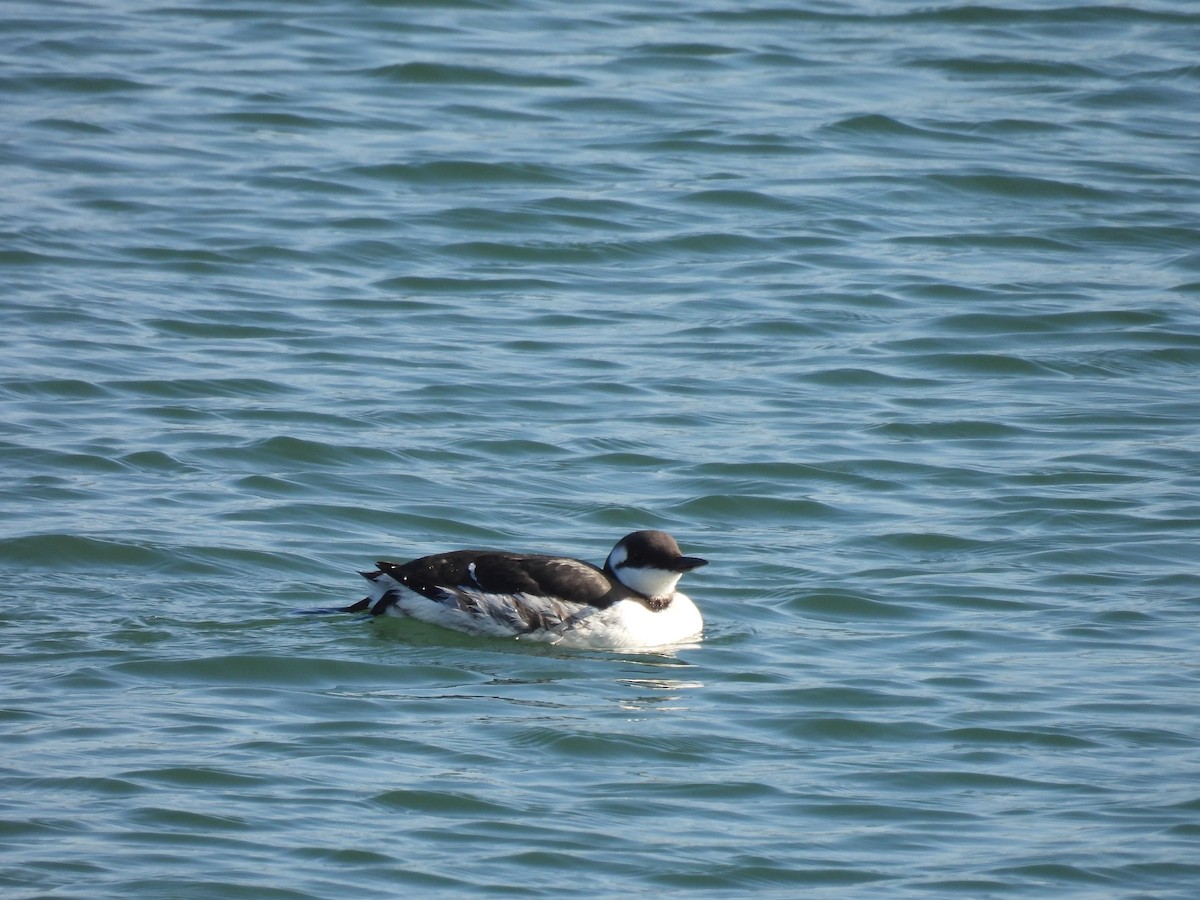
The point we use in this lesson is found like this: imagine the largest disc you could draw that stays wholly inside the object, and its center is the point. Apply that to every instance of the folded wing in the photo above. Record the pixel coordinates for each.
(503, 592)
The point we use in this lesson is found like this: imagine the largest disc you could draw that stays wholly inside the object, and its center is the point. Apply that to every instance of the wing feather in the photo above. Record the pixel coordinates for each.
(512, 593)
(541, 576)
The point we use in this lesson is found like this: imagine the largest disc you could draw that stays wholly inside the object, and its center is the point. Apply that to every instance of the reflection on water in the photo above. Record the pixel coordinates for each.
(659, 693)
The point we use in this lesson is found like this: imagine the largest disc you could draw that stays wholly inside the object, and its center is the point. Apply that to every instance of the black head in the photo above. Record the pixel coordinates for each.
(650, 562)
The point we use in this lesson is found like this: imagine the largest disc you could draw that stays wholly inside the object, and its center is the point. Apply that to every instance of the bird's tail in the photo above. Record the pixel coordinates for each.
(361, 606)
(379, 599)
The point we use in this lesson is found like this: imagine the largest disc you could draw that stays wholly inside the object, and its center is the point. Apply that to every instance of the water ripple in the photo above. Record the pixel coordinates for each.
(887, 311)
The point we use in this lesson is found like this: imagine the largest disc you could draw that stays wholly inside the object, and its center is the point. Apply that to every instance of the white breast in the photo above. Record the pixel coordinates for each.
(628, 624)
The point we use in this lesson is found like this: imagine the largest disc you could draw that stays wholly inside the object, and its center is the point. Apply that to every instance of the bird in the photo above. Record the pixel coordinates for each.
(630, 603)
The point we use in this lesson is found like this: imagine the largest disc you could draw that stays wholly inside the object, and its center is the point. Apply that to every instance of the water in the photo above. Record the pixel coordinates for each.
(888, 309)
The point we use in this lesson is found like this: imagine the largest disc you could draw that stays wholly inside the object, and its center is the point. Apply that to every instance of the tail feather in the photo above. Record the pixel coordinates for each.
(378, 601)
(361, 606)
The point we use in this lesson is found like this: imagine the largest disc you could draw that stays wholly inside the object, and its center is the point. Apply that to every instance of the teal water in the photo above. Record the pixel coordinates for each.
(891, 310)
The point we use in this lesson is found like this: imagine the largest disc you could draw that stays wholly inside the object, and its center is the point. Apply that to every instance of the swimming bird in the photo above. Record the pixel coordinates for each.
(630, 603)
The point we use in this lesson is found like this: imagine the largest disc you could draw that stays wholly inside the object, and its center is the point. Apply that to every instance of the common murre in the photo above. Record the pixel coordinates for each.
(632, 602)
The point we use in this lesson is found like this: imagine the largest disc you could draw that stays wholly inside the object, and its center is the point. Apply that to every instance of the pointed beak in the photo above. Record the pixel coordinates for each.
(687, 563)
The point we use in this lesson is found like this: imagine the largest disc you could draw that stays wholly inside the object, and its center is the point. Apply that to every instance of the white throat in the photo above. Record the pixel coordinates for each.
(658, 584)
(654, 583)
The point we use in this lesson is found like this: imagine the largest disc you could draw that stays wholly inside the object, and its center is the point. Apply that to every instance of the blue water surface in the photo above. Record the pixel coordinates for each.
(890, 309)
